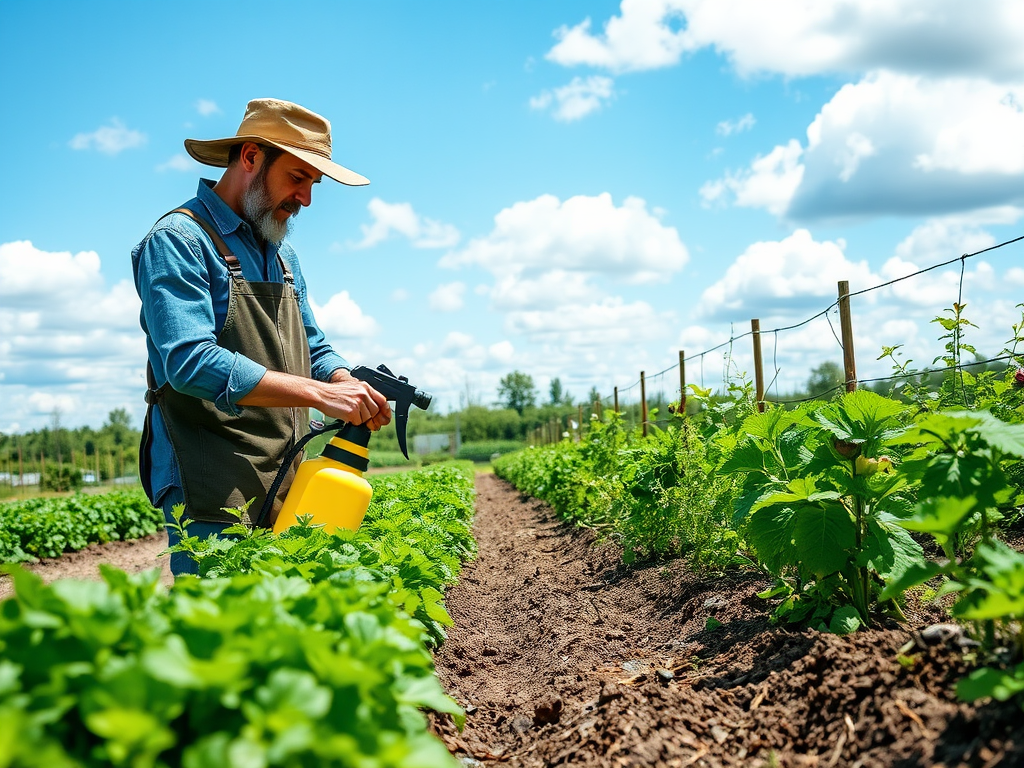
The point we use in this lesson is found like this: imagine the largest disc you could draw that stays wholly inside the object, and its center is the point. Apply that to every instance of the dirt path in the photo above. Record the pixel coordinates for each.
(563, 657)
(132, 556)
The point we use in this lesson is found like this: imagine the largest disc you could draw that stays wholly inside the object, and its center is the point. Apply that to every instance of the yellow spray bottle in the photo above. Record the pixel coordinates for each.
(331, 487)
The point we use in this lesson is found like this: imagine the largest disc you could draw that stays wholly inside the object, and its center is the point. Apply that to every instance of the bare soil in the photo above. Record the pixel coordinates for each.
(131, 556)
(563, 656)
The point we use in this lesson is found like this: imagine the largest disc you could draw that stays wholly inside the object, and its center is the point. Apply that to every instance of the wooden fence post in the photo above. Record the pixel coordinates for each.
(579, 428)
(597, 408)
(616, 399)
(682, 383)
(846, 321)
(755, 328)
(643, 403)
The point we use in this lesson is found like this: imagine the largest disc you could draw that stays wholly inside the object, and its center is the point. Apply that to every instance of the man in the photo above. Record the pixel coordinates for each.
(236, 358)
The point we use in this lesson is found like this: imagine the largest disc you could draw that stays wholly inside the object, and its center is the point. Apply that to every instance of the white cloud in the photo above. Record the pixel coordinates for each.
(729, 127)
(109, 139)
(400, 294)
(448, 297)
(583, 234)
(784, 278)
(400, 218)
(602, 325)
(770, 182)
(342, 318)
(577, 99)
(891, 144)
(502, 351)
(807, 37)
(206, 107)
(68, 339)
(642, 37)
(180, 162)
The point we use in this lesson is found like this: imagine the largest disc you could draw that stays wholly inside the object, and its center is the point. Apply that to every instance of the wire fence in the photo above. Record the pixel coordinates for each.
(655, 392)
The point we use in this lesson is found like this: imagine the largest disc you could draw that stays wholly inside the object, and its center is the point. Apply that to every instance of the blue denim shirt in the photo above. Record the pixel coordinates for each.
(184, 285)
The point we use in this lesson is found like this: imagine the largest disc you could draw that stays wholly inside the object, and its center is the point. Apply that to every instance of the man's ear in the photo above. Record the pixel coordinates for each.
(249, 157)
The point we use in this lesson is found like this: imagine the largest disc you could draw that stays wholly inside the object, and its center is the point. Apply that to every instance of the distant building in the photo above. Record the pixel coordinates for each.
(424, 444)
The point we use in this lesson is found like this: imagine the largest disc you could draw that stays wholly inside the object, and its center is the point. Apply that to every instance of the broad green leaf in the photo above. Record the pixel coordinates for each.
(939, 516)
(768, 531)
(844, 621)
(822, 536)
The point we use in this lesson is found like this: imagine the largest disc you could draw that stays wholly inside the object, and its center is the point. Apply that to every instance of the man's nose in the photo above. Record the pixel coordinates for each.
(305, 196)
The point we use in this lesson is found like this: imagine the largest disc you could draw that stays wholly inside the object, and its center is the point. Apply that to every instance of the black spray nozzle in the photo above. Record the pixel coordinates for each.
(398, 390)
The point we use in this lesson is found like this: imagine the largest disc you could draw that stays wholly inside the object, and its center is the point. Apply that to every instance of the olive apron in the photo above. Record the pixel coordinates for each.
(225, 460)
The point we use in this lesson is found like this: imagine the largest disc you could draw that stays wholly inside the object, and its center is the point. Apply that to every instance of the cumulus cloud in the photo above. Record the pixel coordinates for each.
(601, 325)
(784, 277)
(207, 107)
(890, 144)
(401, 219)
(109, 139)
(448, 297)
(642, 37)
(67, 337)
(576, 100)
(584, 234)
(342, 318)
(806, 37)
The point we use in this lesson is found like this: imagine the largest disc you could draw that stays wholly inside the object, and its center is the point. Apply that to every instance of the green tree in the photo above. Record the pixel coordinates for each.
(517, 391)
(556, 391)
(825, 377)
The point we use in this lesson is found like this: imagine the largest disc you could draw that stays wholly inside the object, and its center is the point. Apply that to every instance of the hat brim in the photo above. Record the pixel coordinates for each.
(215, 152)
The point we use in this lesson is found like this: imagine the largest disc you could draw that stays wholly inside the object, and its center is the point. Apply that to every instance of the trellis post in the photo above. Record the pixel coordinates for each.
(846, 322)
(755, 330)
(643, 403)
(682, 383)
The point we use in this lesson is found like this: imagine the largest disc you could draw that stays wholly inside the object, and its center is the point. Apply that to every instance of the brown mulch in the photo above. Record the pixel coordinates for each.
(563, 656)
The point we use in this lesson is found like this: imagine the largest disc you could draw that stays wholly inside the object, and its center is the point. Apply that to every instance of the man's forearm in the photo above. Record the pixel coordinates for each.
(344, 397)
(284, 390)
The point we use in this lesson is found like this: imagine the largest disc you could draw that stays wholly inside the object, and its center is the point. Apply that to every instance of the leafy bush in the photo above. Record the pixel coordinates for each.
(483, 451)
(48, 527)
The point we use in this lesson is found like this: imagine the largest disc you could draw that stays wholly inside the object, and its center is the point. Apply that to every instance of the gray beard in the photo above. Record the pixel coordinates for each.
(259, 212)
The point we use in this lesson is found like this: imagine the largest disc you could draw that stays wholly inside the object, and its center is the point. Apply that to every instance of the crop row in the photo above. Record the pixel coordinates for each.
(35, 528)
(833, 500)
(299, 650)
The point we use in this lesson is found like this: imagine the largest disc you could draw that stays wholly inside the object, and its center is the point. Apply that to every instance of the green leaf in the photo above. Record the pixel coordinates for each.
(913, 576)
(844, 621)
(712, 624)
(940, 516)
(987, 682)
(822, 536)
(768, 531)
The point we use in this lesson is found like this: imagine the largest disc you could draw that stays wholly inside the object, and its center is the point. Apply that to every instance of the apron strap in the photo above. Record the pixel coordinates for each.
(222, 248)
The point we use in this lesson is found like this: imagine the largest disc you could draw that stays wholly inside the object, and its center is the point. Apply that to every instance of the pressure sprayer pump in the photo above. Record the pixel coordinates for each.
(331, 487)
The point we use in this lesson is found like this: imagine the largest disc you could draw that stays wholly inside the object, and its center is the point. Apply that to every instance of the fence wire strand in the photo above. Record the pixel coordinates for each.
(733, 338)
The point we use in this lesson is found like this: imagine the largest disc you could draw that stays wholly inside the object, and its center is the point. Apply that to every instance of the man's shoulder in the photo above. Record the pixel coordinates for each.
(176, 227)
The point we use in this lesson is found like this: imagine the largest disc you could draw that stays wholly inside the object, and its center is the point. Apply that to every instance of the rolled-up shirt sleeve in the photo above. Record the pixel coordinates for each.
(323, 360)
(173, 280)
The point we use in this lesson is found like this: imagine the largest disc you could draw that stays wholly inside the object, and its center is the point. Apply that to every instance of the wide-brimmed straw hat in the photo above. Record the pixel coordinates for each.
(286, 126)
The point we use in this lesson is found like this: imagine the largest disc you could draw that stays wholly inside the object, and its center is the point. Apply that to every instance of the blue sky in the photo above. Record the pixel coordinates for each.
(568, 189)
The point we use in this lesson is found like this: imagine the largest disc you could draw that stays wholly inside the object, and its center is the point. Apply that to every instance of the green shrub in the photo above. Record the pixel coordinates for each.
(484, 451)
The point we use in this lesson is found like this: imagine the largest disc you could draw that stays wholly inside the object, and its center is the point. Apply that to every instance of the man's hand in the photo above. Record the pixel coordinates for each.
(343, 397)
(356, 401)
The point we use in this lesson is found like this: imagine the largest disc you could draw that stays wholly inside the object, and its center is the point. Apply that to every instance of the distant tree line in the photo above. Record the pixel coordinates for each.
(58, 452)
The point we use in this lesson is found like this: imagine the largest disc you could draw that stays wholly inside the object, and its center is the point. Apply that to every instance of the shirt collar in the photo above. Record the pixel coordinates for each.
(227, 220)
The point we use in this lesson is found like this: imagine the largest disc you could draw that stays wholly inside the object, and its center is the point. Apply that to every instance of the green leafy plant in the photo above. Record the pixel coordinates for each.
(820, 507)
